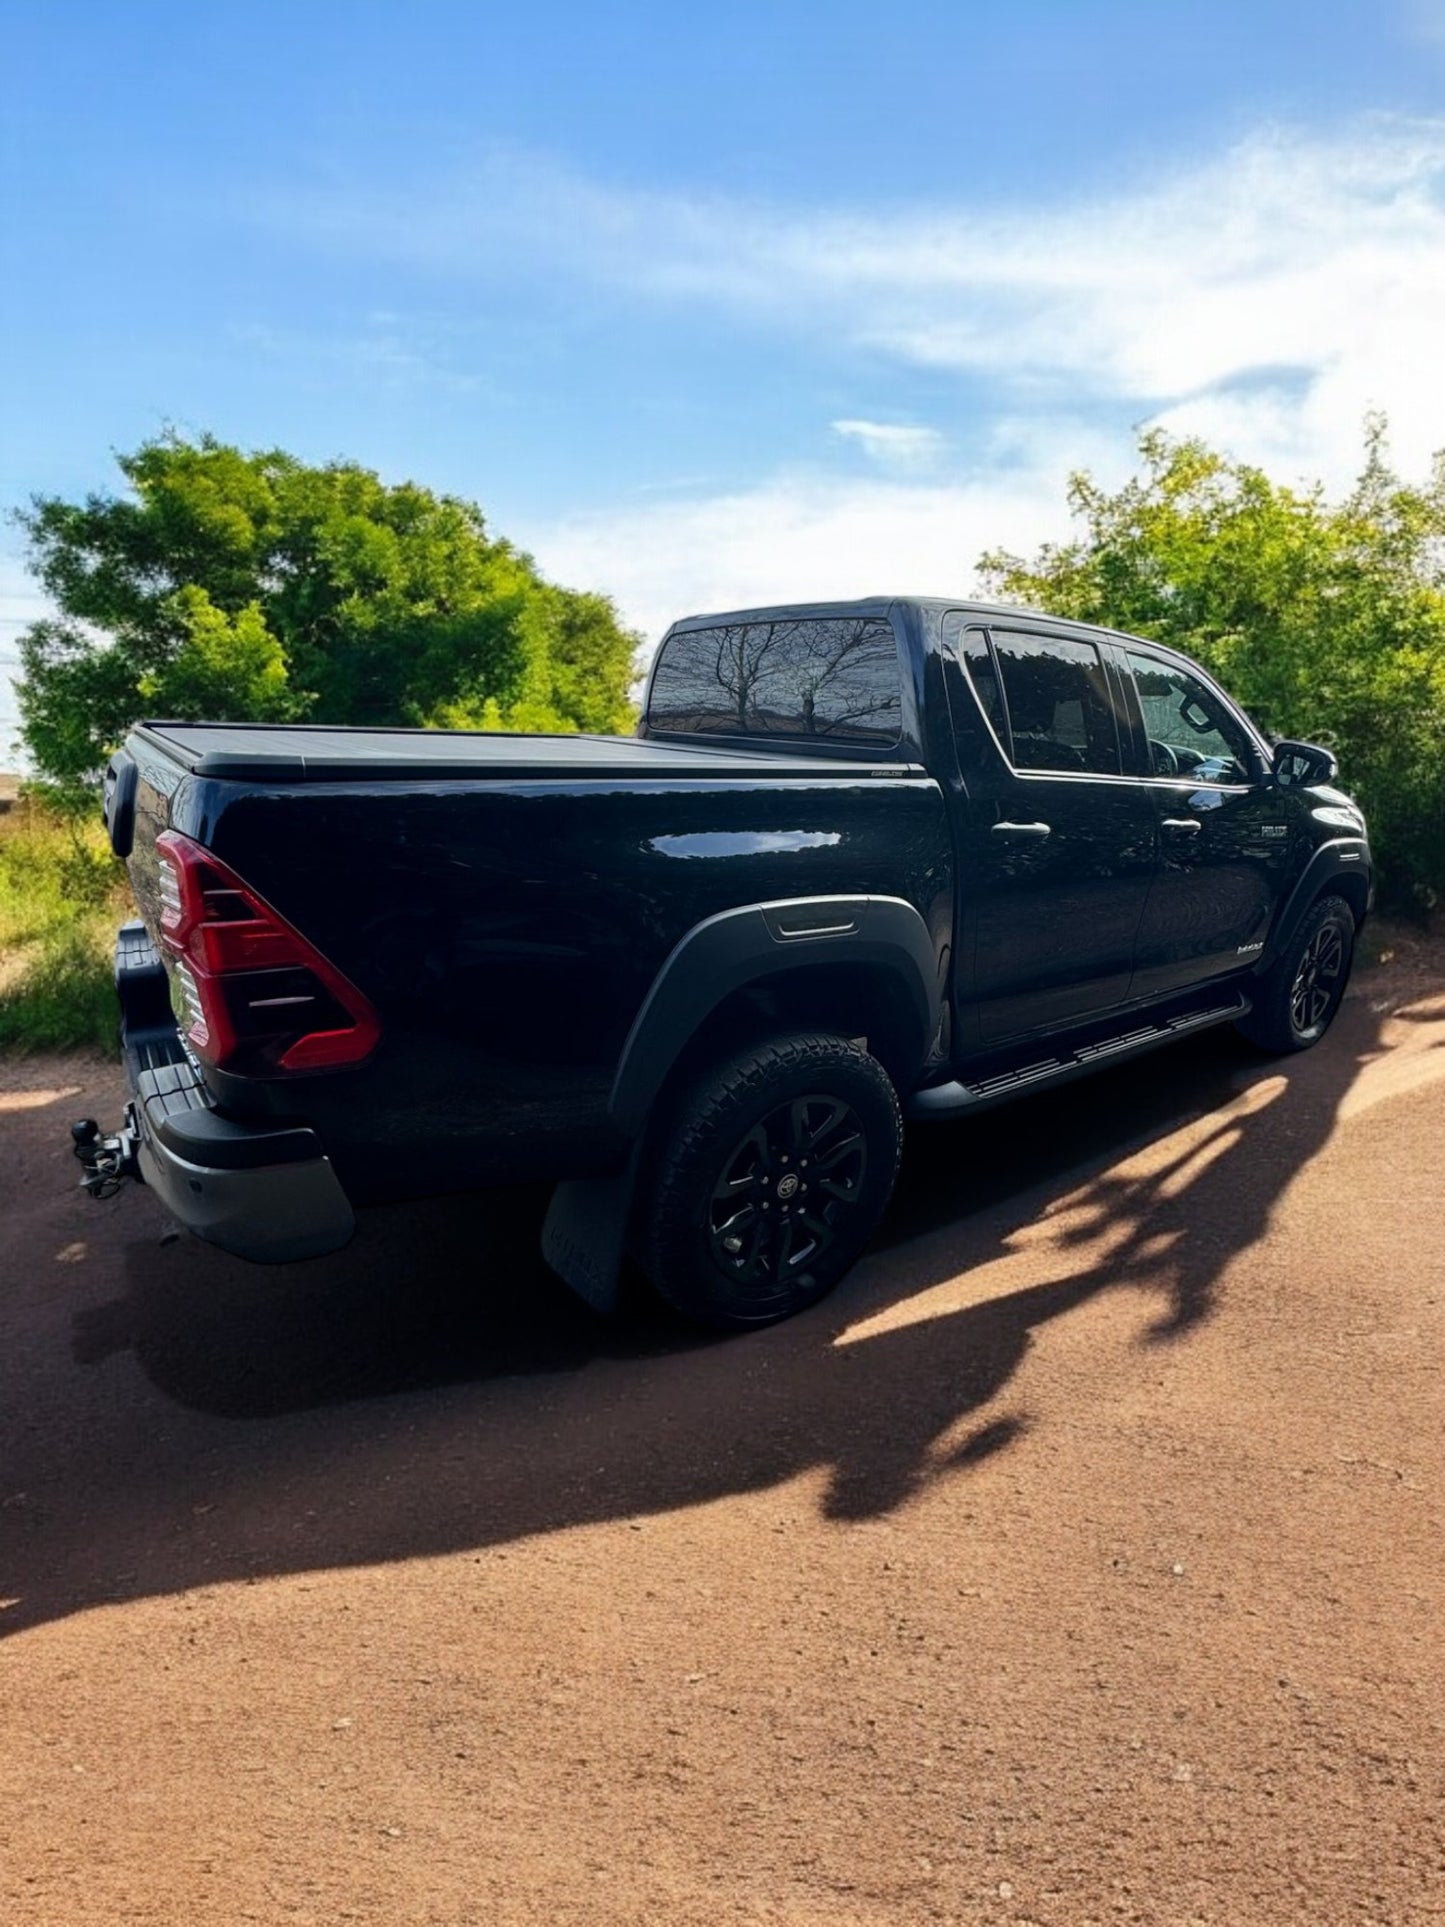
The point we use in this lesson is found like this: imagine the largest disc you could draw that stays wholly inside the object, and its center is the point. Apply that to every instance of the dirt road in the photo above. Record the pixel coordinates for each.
(1081, 1560)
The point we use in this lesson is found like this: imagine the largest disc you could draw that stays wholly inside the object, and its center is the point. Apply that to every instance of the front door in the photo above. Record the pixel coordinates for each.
(1225, 830)
(1057, 847)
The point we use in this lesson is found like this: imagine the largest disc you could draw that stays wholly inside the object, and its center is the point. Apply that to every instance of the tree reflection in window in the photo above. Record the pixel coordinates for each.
(816, 676)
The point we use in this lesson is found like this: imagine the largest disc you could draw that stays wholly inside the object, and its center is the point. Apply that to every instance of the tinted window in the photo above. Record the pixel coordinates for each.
(1060, 713)
(1189, 730)
(973, 649)
(820, 676)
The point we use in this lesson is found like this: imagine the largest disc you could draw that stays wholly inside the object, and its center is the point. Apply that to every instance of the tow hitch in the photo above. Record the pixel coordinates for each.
(108, 1161)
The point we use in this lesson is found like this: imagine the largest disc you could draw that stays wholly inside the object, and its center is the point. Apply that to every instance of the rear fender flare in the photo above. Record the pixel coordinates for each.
(727, 952)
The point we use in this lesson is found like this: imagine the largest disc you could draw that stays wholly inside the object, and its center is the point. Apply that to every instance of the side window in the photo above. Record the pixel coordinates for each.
(971, 647)
(1190, 732)
(1060, 712)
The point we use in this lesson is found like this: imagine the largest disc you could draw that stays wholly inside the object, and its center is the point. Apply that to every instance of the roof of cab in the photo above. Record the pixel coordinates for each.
(878, 605)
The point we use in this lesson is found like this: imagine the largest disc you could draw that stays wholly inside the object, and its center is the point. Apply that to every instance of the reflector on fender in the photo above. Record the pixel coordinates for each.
(257, 996)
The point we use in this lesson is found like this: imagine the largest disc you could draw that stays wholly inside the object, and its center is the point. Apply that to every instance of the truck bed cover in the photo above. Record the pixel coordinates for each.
(300, 753)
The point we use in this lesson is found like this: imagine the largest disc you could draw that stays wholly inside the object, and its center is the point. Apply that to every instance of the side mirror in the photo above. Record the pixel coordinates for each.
(1297, 764)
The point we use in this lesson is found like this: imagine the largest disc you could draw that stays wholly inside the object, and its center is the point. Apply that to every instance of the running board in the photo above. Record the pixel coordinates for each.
(953, 1100)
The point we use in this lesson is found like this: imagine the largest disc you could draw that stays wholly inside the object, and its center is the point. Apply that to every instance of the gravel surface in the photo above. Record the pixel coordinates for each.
(1079, 1561)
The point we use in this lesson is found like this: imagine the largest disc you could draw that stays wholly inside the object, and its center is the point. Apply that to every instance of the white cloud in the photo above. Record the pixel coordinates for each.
(1265, 300)
(891, 444)
(799, 537)
(1306, 268)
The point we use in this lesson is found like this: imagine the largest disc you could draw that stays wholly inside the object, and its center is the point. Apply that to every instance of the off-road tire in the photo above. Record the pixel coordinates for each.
(730, 1161)
(1297, 997)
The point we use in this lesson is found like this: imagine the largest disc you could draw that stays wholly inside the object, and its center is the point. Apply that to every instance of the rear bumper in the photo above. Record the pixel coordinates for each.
(265, 1192)
(270, 1214)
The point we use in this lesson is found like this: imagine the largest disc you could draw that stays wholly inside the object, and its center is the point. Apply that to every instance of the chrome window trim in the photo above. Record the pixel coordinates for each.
(1144, 782)
(1035, 775)
(1101, 639)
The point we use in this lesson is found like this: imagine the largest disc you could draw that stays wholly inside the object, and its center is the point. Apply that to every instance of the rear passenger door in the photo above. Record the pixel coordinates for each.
(1057, 846)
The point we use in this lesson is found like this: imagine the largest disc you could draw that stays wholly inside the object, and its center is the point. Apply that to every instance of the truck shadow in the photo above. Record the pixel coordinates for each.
(435, 1389)
(454, 1290)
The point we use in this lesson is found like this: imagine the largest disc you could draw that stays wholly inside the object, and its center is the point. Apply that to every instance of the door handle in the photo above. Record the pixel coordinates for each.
(1185, 825)
(1023, 829)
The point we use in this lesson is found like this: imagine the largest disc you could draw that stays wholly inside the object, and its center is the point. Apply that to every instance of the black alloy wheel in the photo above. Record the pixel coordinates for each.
(1317, 982)
(767, 1177)
(1296, 998)
(786, 1190)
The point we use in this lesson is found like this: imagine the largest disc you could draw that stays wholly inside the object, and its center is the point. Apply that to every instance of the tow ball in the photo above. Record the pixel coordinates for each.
(108, 1161)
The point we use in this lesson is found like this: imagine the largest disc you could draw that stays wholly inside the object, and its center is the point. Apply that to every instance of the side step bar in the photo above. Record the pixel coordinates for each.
(955, 1100)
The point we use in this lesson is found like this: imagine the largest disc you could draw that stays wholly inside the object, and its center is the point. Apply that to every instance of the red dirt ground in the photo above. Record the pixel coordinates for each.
(1079, 1561)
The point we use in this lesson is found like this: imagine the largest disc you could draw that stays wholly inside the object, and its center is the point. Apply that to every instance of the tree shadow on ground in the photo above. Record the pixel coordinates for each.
(434, 1388)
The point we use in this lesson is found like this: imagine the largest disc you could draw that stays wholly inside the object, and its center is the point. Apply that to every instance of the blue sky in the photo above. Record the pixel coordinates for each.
(720, 305)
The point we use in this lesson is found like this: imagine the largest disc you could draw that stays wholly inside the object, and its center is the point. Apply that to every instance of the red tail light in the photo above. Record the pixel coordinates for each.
(258, 997)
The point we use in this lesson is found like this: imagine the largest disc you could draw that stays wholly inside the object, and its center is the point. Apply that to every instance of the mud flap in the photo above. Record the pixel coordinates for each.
(585, 1230)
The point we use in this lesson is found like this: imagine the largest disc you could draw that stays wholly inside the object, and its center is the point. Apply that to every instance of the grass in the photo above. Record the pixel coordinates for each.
(62, 894)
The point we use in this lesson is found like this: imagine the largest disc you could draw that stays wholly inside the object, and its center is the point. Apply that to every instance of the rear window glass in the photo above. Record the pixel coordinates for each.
(821, 676)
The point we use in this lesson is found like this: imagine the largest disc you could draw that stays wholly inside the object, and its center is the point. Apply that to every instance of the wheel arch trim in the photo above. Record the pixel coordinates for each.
(727, 952)
(1343, 859)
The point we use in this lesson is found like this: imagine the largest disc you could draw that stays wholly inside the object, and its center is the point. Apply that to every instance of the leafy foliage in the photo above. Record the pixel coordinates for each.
(1326, 620)
(253, 587)
(61, 896)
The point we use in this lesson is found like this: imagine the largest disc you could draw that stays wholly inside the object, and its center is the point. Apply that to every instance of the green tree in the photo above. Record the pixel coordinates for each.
(1325, 619)
(255, 587)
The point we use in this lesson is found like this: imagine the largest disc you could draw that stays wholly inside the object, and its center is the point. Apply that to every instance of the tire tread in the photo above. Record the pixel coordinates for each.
(1268, 1025)
(704, 1112)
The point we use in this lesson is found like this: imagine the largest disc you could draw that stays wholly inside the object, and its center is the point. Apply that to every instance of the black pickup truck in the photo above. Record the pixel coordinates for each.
(862, 861)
